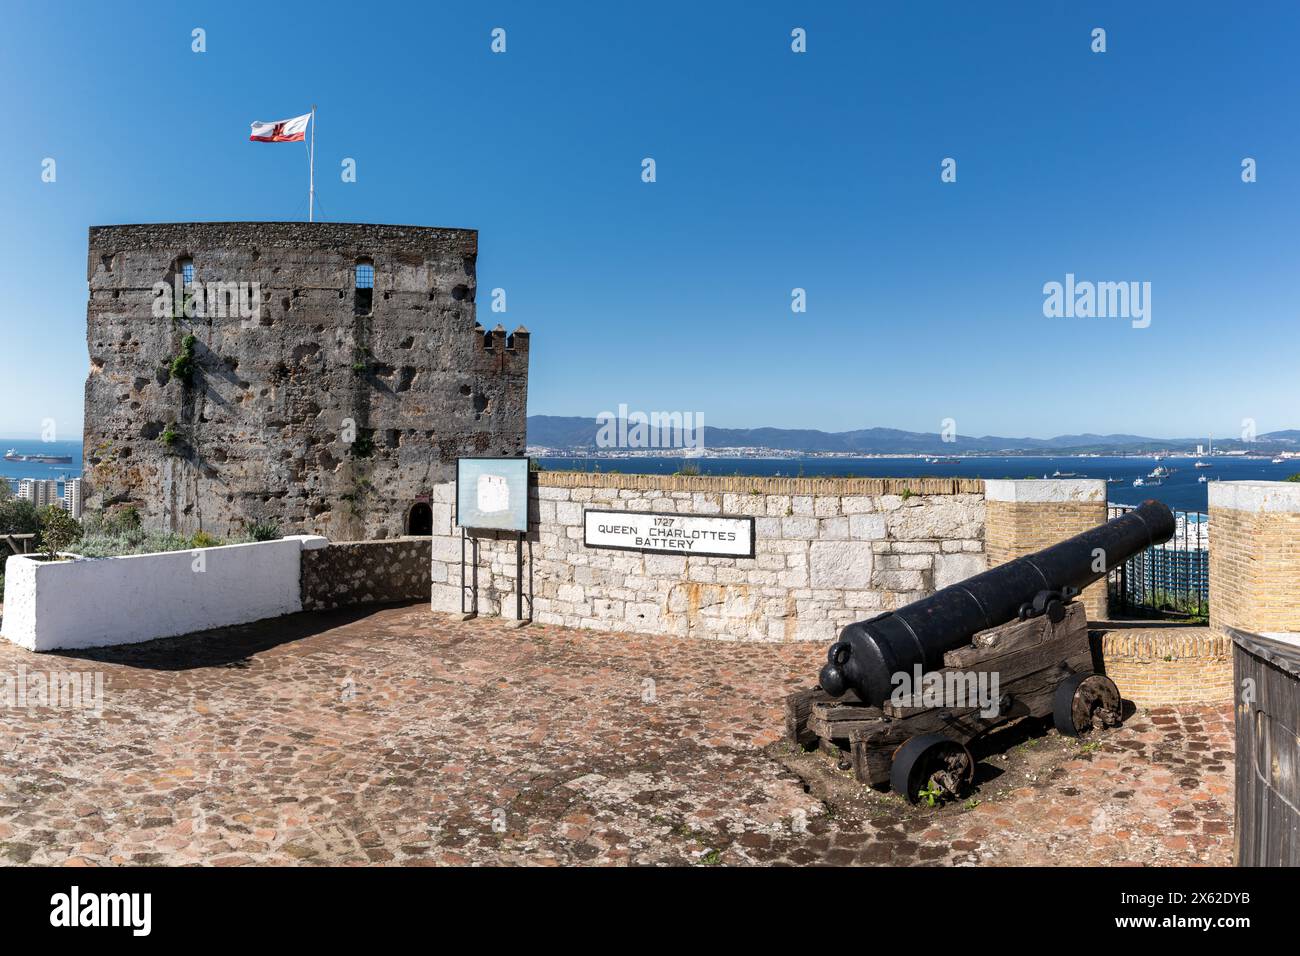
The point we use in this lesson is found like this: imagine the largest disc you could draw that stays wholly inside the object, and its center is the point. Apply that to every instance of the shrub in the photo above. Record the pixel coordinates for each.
(126, 519)
(120, 523)
(100, 545)
(182, 366)
(364, 446)
(19, 516)
(59, 531)
(263, 531)
(202, 539)
(1295, 477)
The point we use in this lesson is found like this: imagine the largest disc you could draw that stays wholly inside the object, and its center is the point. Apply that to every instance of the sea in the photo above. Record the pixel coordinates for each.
(16, 470)
(1180, 490)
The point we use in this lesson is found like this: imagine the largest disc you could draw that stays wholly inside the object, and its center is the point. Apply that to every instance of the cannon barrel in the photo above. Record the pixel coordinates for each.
(869, 653)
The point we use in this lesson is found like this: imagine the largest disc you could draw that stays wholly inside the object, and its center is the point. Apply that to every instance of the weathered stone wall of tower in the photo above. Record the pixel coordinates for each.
(304, 408)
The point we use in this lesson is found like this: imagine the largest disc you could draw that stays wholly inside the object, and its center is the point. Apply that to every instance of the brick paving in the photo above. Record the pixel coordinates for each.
(399, 736)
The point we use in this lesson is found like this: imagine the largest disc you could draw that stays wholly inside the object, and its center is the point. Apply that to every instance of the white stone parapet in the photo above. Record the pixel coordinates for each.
(1044, 490)
(1256, 496)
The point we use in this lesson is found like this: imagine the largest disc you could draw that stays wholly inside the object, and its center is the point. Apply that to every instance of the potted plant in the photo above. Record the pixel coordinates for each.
(59, 532)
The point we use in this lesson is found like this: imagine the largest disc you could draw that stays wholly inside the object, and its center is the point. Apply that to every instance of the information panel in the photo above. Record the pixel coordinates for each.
(705, 535)
(492, 493)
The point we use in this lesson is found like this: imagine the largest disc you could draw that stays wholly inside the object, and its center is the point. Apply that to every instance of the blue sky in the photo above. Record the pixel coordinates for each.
(775, 170)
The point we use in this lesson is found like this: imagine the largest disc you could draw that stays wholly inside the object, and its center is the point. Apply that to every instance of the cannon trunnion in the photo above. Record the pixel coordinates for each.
(903, 696)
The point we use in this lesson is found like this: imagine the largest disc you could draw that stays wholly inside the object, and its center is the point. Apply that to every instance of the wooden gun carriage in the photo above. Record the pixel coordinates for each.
(1000, 646)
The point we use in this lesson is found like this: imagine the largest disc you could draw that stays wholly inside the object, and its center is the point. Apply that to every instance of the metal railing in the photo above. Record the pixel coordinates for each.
(1167, 580)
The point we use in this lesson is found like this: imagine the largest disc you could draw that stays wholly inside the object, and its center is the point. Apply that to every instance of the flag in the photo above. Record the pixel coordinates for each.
(281, 131)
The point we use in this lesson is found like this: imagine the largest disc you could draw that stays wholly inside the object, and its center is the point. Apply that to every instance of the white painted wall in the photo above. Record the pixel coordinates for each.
(96, 602)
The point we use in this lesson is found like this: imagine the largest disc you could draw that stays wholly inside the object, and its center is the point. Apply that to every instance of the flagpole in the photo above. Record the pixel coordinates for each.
(311, 175)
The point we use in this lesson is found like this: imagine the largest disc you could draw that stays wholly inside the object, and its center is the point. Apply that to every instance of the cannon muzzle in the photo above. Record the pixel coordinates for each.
(869, 653)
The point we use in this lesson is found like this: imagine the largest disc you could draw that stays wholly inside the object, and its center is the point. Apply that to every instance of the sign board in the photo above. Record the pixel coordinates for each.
(492, 494)
(712, 536)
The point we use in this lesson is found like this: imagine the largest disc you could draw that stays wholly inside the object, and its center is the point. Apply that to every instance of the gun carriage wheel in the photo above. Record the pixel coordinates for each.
(1086, 702)
(928, 761)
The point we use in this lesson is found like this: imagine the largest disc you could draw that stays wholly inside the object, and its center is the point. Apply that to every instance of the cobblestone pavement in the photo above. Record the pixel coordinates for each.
(401, 736)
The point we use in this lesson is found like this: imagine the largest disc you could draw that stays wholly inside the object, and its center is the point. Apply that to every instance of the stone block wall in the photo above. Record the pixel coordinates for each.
(347, 573)
(827, 552)
(322, 410)
(1028, 515)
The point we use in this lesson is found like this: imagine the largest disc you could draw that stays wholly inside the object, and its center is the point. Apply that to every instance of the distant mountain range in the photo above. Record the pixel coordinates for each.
(571, 433)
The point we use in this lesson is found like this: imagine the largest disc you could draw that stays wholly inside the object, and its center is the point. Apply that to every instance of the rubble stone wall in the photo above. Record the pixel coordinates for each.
(320, 410)
(348, 573)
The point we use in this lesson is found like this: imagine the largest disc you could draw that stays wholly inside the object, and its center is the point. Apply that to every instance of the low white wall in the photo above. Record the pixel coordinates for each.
(96, 602)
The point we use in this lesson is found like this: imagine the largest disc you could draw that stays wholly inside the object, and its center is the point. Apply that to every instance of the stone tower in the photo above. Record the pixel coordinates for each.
(322, 376)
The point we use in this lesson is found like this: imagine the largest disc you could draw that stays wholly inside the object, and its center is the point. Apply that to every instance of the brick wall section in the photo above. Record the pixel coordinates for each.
(1159, 666)
(767, 486)
(827, 552)
(1255, 556)
(365, 572)
(1026, 516)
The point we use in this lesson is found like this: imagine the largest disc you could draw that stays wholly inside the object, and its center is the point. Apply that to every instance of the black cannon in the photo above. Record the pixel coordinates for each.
(869, 653)
(1014, 628)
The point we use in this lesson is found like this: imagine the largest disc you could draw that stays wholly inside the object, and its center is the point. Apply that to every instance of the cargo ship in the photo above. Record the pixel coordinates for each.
(12, 455)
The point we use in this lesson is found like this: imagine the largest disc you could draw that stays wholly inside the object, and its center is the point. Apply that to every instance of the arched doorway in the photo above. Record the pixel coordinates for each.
(419, 522)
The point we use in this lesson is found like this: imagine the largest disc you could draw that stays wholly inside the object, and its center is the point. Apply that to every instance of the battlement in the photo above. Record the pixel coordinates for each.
(498, 340)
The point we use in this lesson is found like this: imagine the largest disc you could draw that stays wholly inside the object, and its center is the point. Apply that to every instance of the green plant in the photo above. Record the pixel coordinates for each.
(972, 803)
(364, 446)
(182, 366)
(687, 470)
(170, 435)
(201, 539)
(931, 794)
(263, 531)
(126, 518)
(19, 516)
(97, 544)
(1295, 477)
(907, 493)
(712, 858)
(59, 531)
